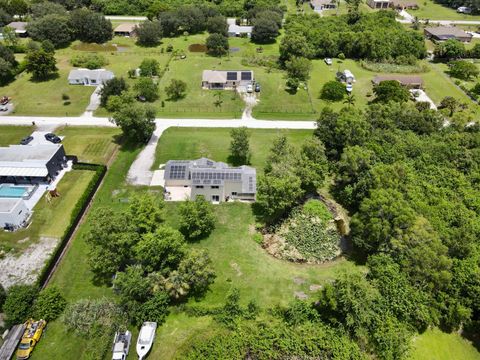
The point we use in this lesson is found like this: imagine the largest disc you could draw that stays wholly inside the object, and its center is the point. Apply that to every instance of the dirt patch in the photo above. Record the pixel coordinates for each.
(300, 295)
(298, 280)
(24, 269)
(236, 268)
(197, 48)
(315, 287)
(280, 249)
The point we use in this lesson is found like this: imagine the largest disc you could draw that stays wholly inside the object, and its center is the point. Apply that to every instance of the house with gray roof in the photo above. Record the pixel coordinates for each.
(89, 77)
(14, 214)
(216, 181)
(20, 28)
(226, 79)
(31, 164)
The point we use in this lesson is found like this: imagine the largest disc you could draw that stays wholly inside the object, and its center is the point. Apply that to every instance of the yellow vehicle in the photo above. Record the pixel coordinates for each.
(33, 333)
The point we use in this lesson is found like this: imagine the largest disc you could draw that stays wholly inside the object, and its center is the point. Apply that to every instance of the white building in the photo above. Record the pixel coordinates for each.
(89, 77)
(13, 213)
(319, 5)
(346, 76)
(216, 181)
(238, 30)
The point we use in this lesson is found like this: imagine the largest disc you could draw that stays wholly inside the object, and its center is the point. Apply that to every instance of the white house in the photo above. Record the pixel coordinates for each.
(238, 30)
(13, 213)
(89, 77)
(216, 181)
(319, 5)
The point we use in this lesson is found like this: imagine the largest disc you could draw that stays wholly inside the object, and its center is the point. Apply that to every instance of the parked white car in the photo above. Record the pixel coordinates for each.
(249, 89)
(464, 10)
(328, 61)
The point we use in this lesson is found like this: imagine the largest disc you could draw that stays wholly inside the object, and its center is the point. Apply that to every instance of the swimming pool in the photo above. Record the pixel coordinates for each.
(7, 191)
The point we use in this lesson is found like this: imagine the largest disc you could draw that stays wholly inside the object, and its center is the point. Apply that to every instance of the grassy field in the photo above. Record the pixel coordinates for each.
(192, 143)
(434, 344)
(90, 144)
(428, 9)
(10, 135)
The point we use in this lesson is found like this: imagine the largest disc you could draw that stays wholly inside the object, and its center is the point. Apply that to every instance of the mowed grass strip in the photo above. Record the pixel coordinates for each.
(90, 144)
(193, 143)
(10, 135)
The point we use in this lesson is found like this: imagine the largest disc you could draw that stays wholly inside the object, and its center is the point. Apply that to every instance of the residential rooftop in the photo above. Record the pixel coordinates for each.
(8, 204)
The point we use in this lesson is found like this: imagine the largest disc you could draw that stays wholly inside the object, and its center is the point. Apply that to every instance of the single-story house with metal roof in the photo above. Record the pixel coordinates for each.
(126, 29)
(89, 77)
(411, 82)
(226, 79)
(238, 30)
(216, 181)
(31, 164)
(442, 33)
(20, 28)
(319, 5)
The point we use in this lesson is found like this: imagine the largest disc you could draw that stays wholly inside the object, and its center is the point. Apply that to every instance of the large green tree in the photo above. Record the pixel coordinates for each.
(136, 121)
(41, 64)
(90, 26)
(240, 146)
(53, 27)
(197, 219)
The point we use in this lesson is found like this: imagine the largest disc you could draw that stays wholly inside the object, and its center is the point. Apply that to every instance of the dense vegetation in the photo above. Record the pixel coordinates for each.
(373, 36)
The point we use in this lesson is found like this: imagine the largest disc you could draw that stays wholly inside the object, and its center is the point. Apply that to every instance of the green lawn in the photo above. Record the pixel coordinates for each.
(192, 143)
(433, 11)
(10, 135)
(437, 345)
(91, 144)
(50, 219)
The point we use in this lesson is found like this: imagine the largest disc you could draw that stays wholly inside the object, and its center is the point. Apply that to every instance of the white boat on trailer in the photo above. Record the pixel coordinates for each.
(145, 339)
(121, 345)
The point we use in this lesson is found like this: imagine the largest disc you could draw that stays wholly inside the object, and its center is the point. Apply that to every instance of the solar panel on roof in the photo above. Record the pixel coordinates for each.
(231, 75)
(246, 75)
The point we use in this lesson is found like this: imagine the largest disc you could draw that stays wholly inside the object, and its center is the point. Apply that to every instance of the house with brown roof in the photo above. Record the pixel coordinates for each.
(443, 33)
(126, 29)
(411, 82)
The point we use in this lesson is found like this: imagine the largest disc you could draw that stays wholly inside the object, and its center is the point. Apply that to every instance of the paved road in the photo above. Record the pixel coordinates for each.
(126, 18)
(140, 173)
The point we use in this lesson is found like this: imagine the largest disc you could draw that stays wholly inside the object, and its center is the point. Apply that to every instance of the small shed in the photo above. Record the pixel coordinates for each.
(89, 77)
(319, 5)
(125, 29)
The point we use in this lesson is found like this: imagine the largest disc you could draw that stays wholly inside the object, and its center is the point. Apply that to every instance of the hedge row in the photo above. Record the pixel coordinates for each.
(75, 217)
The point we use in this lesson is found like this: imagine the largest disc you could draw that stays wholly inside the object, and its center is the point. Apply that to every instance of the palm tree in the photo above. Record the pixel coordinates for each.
(350, 100)
(176, 285)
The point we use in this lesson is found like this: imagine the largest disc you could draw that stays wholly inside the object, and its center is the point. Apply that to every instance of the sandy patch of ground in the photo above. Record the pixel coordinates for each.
(24, 269)
(236, 267)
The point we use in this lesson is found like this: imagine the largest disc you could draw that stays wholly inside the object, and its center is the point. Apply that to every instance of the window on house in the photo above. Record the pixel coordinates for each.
(215, 187)
(199, 187)
(215, 198)
(234, 193)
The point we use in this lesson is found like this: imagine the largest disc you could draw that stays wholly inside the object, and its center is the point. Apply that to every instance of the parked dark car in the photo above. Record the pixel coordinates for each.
(257, 87)
(26, 140)
(53, 138)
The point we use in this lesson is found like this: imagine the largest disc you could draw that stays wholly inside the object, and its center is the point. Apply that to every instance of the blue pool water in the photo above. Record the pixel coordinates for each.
(12, 191)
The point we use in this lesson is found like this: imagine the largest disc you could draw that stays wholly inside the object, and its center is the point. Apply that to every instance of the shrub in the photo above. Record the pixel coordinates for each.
(18, 304)
(341, 56)
(149, 67)
(89, 61)
(176, 89)
(3, 296)
(311, 231)
(65, 97)
(333, 91)
(49, 304)
(92, 317)
(196, 218)
(217, 45)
